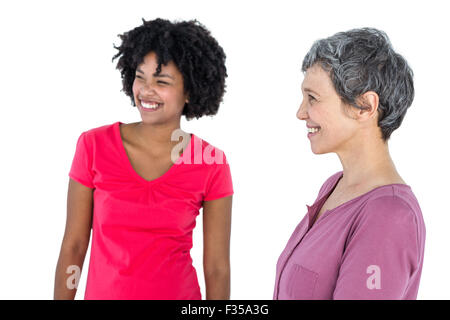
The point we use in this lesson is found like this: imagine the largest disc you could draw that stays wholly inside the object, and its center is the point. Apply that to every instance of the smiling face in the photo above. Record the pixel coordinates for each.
(322, 108)
(160, 98)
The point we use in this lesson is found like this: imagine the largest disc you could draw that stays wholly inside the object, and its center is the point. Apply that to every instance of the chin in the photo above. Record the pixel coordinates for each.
(152, 121)
(317, 150)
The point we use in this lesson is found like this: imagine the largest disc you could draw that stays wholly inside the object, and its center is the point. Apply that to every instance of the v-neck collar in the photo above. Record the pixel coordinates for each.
(320, 202)
(127, 161)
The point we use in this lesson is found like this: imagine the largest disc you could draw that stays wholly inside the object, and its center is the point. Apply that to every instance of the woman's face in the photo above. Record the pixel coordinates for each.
(323, 108)
(159, 98)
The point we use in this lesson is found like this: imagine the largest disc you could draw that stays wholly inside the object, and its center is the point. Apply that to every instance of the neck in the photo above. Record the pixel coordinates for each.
(367, 162)
(156, 137)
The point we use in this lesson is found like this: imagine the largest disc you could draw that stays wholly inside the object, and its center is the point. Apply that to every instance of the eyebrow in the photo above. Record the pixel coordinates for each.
(159, 75)
(310, 90)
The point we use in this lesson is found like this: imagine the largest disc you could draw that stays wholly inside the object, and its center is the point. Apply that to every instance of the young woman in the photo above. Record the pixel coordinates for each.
(140, 188)
(363, 238)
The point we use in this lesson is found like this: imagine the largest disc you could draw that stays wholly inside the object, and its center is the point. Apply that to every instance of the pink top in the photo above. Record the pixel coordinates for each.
(370, 247)
(142, 230)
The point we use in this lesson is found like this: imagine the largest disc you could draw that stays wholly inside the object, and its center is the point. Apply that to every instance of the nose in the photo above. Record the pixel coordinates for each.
(147, 89)
(302, 112)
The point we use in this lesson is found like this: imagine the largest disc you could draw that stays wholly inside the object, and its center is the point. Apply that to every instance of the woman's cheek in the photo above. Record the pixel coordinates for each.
(135, 89)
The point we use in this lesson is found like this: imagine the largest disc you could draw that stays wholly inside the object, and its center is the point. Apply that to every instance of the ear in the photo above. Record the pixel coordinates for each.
(369, 100)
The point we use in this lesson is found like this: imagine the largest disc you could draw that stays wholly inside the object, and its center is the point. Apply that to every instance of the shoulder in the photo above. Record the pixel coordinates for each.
(99, 133)
(393, 210)
(393, 202)
(389, 220)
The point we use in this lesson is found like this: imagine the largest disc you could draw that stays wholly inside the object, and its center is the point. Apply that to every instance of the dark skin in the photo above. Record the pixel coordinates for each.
(148, 145)
(76, 236)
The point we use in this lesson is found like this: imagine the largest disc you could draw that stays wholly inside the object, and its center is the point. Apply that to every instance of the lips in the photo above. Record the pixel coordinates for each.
(148, 100)
(150, 104)
(312, 130)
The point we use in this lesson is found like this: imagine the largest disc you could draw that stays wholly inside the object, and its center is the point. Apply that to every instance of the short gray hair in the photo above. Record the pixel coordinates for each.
(361, 60)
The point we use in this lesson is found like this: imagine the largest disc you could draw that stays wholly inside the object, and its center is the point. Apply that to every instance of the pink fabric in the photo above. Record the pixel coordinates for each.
(142, 230)
(370, 247)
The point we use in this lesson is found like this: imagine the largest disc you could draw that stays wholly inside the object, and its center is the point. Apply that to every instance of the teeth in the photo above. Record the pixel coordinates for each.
(312, 130)
(152, 105)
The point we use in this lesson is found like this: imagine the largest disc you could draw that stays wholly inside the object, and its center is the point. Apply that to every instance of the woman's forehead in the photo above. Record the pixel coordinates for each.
(150, 65)
(317, 79)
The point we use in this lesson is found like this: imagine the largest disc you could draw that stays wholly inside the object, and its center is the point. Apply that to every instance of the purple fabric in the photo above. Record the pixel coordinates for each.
(370, 247)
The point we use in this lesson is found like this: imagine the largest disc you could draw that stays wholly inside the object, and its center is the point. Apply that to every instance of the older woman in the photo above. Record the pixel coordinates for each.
(363, 238)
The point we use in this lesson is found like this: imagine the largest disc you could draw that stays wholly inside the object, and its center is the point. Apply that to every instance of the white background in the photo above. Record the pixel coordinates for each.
(57, 80)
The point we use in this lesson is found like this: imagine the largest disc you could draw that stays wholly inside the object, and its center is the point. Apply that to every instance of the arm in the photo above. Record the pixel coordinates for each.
(382, 253)
(216, 247)
(76, 238)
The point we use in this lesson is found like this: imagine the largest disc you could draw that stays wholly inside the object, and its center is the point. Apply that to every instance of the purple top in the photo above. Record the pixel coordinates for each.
(370, 247)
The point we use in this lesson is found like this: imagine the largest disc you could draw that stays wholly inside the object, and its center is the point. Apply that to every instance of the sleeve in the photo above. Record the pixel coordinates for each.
(381, 254)
(81, 169)
(220, 183)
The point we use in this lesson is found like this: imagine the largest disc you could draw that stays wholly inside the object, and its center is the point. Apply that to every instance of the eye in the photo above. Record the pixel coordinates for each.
(162, 82)
(311, 98)
(138, 77)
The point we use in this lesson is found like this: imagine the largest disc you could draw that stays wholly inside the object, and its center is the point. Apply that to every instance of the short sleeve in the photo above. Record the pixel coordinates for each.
(81, 169)
(220, 183)
(381, 254)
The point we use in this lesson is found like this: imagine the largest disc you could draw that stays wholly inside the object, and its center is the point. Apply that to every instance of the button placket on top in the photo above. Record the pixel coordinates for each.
(297, 240)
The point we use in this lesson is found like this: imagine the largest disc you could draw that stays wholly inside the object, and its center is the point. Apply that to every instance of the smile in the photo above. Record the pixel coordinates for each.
(313, 131)
(151, 105)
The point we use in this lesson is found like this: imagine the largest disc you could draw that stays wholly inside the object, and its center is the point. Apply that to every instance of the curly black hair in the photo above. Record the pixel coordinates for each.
(197, 55)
